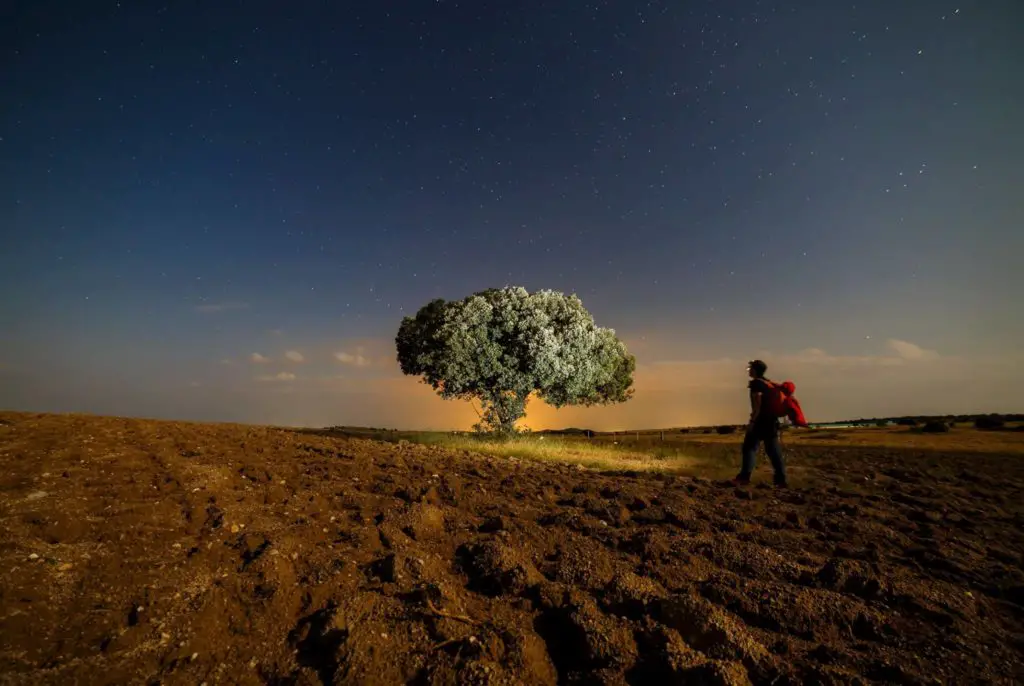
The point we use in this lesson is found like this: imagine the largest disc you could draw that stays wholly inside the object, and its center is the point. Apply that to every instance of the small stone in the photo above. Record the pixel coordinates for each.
(65, 566)
(33, 556)
(36, 495)
(234, 528)
(176, 545)
(194, 656)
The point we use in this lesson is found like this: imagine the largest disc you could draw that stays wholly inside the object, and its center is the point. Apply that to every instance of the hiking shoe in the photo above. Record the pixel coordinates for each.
(781, 484)
(739, 481)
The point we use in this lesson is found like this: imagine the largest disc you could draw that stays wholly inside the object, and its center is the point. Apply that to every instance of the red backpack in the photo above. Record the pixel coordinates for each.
(779, 401)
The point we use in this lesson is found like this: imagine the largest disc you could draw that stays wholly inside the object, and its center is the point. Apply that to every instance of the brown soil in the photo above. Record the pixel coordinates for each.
(151, 552)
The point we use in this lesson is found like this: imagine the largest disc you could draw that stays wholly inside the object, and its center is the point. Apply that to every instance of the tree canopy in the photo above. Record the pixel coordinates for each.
(501, 345)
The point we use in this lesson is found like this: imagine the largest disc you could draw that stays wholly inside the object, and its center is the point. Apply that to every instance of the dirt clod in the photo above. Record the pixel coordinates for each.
(711, 630)
(632, 595)
(497, 569)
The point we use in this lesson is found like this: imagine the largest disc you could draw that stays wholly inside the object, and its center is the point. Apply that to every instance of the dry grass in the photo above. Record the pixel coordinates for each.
(959, 439)
(704, 454)
(596, 455)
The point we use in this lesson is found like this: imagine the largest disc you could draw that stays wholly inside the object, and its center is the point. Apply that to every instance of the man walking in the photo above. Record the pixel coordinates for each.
(762, 428)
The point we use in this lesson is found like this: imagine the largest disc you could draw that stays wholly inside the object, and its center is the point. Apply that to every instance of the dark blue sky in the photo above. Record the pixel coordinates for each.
(186, 184)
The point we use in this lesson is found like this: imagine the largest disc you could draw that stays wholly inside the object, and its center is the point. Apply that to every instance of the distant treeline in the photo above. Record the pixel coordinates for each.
(981, 421)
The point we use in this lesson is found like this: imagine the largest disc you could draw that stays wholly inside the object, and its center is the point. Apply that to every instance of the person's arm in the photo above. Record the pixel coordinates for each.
(755, 405)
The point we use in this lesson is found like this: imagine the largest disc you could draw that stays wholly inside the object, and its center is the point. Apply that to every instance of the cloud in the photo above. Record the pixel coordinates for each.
(897, 353)
(256, 358)
(809, 361)
(356, 360)
(212, 307)
(910, 351)
(280, 376)
(295, 356)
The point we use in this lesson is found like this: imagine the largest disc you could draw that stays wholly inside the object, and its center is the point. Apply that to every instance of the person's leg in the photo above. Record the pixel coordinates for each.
(773, 448)
(749, 450)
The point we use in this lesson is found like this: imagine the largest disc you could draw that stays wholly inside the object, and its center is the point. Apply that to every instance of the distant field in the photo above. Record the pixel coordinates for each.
(601, 455)
(960, 438)
(675, 451)
(809, 452)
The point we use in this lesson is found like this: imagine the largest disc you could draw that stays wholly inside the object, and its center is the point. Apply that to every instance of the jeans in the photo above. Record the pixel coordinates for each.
(769, 435)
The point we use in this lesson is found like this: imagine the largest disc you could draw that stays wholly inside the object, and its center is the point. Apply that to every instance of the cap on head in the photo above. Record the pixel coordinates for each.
(758, 367)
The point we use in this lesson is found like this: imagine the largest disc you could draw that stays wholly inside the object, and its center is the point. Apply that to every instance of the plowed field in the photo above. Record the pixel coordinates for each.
(145, 552)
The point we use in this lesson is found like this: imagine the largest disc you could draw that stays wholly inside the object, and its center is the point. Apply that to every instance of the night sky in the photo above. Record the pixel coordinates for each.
(222, 210)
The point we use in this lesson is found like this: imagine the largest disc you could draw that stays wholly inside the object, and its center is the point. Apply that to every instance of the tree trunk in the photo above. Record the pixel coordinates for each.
(503, 410)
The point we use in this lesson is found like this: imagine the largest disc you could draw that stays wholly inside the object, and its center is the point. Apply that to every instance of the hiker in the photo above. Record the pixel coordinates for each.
(762, 428)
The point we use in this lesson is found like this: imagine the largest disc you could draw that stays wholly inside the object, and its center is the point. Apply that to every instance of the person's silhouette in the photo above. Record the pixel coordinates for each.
(763, 427)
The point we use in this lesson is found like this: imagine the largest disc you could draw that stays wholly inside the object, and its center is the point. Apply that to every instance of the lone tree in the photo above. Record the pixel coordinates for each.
(501, 345)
